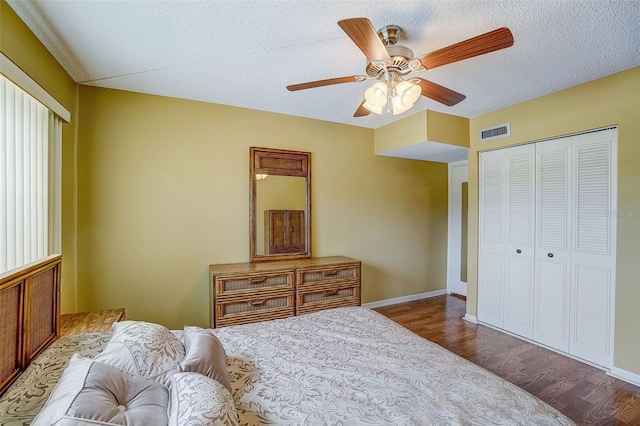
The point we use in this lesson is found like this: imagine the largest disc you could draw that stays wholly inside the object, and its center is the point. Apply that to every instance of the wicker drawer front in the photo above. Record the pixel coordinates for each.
(258, 308)
(317, 300)
(226, 285)
(330, 274)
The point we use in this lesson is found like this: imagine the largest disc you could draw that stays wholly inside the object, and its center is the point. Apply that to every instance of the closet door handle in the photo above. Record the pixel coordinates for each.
(518, 251)
(550, 254)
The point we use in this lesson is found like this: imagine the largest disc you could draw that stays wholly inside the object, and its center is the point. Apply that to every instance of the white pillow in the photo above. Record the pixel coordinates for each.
(144, 348)
(204, 354)
(199, 400)
(90, 392)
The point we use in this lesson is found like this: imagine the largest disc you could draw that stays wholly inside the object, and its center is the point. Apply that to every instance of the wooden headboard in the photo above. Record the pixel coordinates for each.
(29, 315)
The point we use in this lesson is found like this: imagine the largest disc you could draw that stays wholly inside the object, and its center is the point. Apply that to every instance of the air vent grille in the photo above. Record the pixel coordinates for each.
(501, 131)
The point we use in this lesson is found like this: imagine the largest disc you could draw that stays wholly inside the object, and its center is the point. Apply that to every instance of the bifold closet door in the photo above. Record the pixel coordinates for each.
(519, 244)
(492, 240)
(553, 243)
(593, 228)
(506, 264)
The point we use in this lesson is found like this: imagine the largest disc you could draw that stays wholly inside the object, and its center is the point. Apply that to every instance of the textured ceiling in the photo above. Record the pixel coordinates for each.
(244, 53)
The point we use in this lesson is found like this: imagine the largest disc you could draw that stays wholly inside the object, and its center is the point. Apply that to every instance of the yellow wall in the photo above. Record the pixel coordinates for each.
(163, 191)
(406, 131)
(19, 44)
(447, 128)
(614, 100)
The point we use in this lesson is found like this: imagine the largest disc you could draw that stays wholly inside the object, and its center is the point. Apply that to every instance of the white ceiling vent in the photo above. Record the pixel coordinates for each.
(501, 131)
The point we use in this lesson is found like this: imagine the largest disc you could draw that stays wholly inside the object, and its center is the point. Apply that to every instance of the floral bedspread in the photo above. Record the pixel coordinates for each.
(351, 366)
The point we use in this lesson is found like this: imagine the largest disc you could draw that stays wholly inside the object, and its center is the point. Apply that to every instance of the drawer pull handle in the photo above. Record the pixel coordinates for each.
(329, 273)
(330, 293)
(258, 302)
(258, 280)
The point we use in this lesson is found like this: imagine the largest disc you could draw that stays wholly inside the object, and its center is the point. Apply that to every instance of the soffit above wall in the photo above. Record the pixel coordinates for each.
(430, 151)
(427, 136)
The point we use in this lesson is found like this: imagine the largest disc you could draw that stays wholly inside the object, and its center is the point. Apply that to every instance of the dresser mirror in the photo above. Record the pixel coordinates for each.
(280, 198)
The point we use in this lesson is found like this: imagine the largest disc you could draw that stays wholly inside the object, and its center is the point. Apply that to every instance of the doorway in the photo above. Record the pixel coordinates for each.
(458, 227)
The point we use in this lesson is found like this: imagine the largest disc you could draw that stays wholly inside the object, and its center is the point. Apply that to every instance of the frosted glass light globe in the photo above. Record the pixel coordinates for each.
(374, 109)
(408, 93)
(398, 106)
(376, 95)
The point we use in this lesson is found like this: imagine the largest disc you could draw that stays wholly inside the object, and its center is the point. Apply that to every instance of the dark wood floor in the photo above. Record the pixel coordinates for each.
(583, 393)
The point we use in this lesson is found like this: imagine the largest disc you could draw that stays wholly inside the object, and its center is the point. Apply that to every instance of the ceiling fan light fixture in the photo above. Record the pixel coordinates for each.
(398, 96)
(376, 95)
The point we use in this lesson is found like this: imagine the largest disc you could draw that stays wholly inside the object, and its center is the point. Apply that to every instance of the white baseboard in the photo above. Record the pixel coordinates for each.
(403, 299)
(471, 318)
(625, 375)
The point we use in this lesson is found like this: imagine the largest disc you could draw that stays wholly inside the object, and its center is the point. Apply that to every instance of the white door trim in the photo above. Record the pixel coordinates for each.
(450, 236)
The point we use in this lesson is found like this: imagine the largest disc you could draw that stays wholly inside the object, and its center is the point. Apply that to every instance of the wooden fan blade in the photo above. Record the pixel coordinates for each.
(362, 111)
(484, 43)
(319, 83)
(439, 93)
(365, 37)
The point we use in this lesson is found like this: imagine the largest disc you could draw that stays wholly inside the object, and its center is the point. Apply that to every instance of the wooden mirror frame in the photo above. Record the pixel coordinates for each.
(281, 163)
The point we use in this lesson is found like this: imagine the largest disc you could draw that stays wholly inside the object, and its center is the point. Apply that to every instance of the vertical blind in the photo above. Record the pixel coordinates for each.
(30, 178)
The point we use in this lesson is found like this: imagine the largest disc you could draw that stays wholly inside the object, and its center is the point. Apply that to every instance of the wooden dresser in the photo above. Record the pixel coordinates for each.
(250, 292)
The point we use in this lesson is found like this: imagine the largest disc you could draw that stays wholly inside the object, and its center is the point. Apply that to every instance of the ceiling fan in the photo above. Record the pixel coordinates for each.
(391, 63)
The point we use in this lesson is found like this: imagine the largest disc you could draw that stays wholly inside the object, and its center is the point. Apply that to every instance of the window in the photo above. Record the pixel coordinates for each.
(30, 178)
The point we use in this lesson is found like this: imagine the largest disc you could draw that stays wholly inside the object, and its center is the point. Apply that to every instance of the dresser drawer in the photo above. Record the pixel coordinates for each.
(328, 274)
(241, 283)
(327, 297)
(257, 308)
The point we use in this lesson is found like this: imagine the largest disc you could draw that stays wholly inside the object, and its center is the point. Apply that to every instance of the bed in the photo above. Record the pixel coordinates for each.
(339, 366)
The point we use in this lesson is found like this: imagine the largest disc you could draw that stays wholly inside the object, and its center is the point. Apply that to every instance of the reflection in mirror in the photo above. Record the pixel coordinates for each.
(280, 204)
(280, 212)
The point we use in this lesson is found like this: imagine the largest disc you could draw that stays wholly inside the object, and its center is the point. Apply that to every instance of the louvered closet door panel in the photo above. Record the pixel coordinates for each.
(553, 244)
(593, 258)
(491, 234)
(519, 245)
